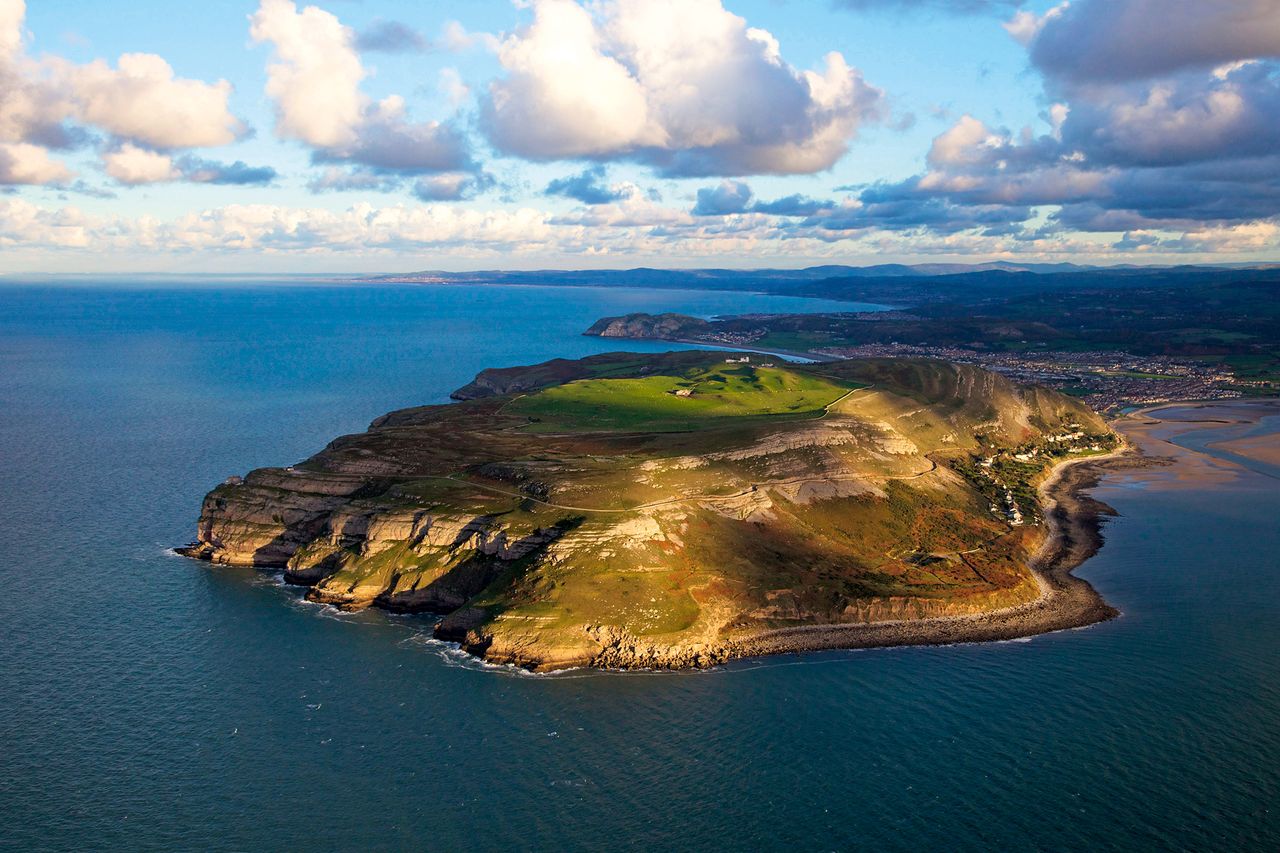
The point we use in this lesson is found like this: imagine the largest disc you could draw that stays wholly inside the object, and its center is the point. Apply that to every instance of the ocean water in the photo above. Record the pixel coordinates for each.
(153, 703)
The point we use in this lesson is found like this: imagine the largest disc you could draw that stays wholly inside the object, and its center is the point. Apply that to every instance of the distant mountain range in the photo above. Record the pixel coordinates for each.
(895, 284)
(734, 279)
(648, 276)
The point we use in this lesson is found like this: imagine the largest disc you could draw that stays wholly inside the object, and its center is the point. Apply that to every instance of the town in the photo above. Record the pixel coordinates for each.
(1106, 380)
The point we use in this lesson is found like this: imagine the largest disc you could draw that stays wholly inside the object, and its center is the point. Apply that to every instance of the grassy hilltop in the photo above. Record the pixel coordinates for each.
(658, 510)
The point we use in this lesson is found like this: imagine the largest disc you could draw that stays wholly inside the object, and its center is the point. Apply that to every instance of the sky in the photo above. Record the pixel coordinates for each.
(382, 136)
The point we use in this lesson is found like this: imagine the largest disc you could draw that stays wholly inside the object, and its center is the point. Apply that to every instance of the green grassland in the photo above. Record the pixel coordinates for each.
(715, 395)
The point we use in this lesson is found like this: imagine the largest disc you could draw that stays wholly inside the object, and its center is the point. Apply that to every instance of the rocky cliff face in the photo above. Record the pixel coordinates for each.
(356, 551)
(590, 541)
(666, 327)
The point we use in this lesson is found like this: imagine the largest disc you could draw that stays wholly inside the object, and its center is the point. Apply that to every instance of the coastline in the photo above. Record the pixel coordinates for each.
(1071, 533)
(1074, 521)
(1074, 534)
(811, 357)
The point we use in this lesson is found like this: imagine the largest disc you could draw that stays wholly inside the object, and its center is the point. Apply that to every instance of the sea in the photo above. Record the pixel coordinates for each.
(148, 702)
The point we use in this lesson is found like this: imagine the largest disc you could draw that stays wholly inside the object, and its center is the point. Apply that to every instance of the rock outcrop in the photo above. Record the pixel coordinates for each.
(664, 327)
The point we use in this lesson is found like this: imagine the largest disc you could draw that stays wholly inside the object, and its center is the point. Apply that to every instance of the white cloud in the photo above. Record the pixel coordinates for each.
(710, 96)
(141, 100)
(635, 228)
(564, 97)
(451, 186)
(12, 13)
(1242, 238)
(458, 39)
(315, 78)
(30, 110)
(1026, 25)
(130, 164)
(387, 140)
(967, 142)
(21, 163)
(452, 87)
(314, 81)
(23, 224)
(47, 103)
(1163, 116)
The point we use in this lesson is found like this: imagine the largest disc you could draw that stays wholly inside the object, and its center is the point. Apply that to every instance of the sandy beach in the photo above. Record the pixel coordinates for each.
(1262, 448)
(1158, 430)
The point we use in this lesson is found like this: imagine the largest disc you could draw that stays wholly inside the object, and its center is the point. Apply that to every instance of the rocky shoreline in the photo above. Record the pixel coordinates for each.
(1074, 522)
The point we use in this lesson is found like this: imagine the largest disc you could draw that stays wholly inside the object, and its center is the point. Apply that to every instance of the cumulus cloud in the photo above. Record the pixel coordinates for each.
(721, 200)
(451, 85)
(337, 179)
(1188, 118)
(1026, 25)
(1245, 237)
(793, 205)
(201, 171)
(588, 187)
(272, 228)
(140, 104)
(1163, 117)
(314, 81)
(977, 174)
(23, 163)
(33, 109)
(712, 96)
(1109, 40)
(12, 13)
(141, 100)
(634, 227)
(900, 208)
(132, 165)
(458, 39)
(452, 186)
(387, 140)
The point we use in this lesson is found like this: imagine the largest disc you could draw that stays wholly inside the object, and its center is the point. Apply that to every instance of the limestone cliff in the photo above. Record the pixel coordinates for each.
(666, 327)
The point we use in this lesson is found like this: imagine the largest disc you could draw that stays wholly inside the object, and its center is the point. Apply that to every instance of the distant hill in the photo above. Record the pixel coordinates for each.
(650, 276)
(896, 284)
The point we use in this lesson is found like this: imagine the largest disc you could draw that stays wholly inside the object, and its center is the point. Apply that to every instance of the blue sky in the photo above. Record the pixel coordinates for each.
(619, 133)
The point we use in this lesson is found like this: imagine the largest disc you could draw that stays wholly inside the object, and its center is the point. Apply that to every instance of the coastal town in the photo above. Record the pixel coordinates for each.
(1106, 380)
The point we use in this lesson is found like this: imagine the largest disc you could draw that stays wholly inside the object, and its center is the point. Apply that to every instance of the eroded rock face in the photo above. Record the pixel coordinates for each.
(567, 546)
(657, 326)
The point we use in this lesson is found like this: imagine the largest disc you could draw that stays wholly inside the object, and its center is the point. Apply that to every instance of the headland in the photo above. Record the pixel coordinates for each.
(689, 508)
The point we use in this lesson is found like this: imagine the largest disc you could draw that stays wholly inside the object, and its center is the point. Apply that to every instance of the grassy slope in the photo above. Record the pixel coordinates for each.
(650, 404)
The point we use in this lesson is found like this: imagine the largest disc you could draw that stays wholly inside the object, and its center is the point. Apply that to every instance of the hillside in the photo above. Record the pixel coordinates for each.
(670, 510)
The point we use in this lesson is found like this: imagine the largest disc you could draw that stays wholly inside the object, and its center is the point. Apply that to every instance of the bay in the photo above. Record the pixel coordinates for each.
(153, 703)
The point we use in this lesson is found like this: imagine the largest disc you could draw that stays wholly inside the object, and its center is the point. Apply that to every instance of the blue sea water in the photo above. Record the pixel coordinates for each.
(153, 703)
